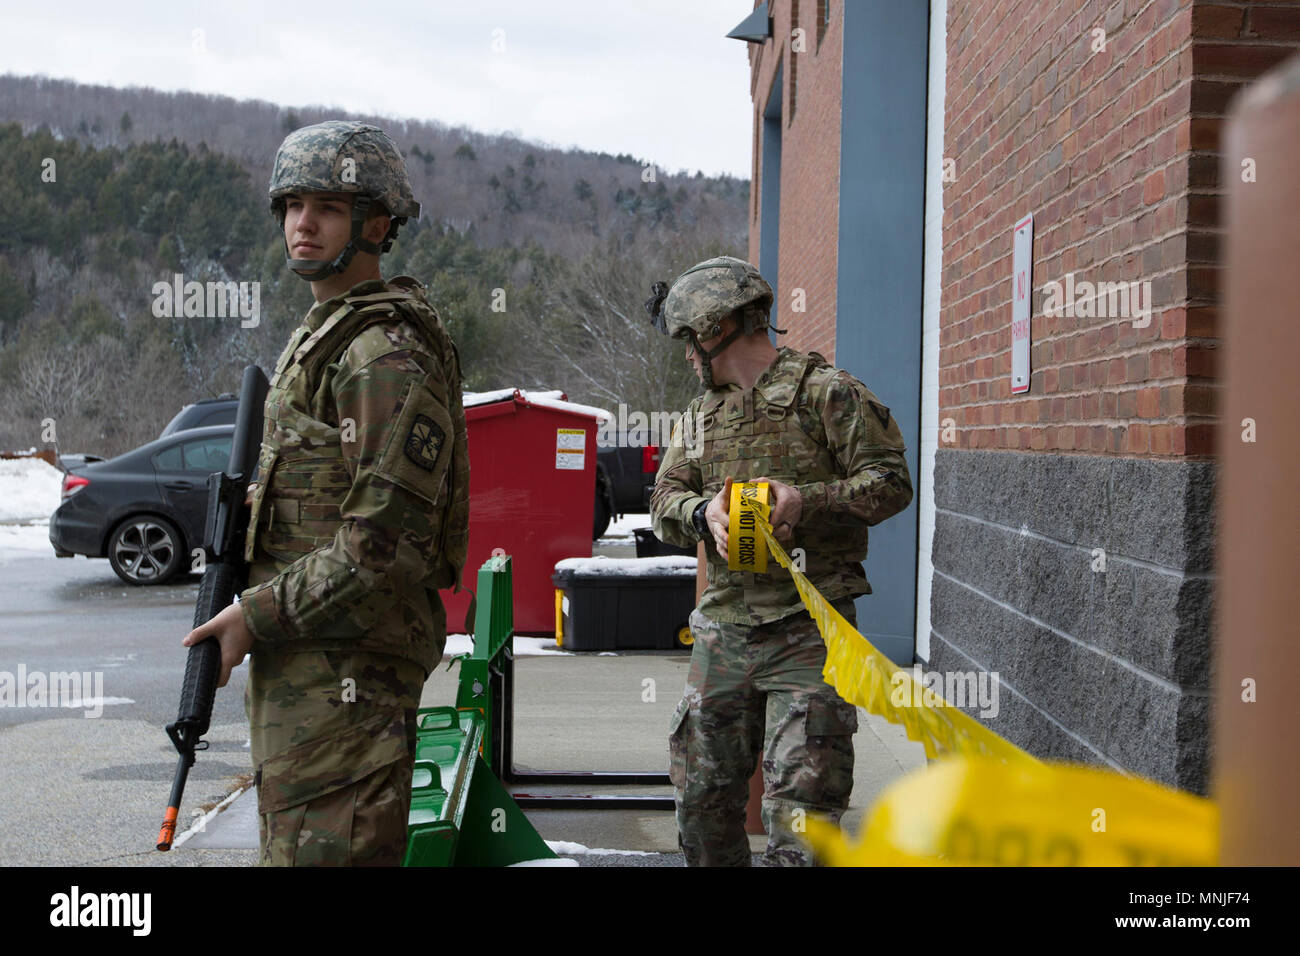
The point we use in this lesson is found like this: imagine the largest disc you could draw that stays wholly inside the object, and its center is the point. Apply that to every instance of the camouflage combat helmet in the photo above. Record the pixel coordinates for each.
(343, 157)
(706, 293)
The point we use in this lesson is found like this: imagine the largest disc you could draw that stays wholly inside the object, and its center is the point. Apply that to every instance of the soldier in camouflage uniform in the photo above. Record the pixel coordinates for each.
(834, 457)
(359, 516)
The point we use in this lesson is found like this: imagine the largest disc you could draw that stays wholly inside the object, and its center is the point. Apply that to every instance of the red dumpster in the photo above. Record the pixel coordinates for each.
(532, 487)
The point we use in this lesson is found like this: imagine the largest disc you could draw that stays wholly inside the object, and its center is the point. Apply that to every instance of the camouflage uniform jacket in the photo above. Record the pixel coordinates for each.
(809, 425)
(361, 509)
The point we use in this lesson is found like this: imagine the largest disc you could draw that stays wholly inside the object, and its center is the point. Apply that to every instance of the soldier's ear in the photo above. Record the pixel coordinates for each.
(378, 223)
(377, 229)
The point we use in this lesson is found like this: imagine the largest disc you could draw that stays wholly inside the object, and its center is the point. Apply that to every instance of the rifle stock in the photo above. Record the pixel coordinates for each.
(224, 575)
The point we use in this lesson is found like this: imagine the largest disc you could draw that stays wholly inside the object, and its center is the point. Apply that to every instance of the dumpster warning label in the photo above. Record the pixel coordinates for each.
(570, 448)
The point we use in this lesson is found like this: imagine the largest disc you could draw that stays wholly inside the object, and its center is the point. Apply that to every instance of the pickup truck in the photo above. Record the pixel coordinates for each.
(625, 476)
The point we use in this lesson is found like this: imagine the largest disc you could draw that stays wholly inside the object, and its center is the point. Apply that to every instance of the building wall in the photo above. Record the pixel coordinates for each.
(1073, 543)
(810, 150)
(1073, 526)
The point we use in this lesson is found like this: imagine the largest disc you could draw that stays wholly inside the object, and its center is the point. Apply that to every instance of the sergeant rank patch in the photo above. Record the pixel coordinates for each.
(424, 441)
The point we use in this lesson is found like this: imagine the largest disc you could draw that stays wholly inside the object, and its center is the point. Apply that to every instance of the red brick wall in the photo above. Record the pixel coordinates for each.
(810, 169)
(1115, 153)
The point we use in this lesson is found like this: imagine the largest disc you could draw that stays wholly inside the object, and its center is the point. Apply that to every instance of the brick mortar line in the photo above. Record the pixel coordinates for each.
(1050, 121)
(1178, 228)
(986, 55)
(1195, 458)
(1186, 192)
(1126, 353)
(1098, 423)
(1011, 687)
(1171, 271)
(1141, 672)
(1153, 566)
(978, 379)
(1210, 344)
(1076, 128)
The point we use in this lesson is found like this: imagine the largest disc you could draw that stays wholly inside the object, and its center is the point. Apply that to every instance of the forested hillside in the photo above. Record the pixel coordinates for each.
(538, 259)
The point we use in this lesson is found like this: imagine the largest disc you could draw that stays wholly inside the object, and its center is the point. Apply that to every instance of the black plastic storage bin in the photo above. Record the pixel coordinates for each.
(648, 545)
(611, 604)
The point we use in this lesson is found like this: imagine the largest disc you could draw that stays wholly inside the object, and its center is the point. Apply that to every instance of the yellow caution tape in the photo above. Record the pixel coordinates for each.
(746, 549)
(988, 802)
(979, 812)
(864, 676)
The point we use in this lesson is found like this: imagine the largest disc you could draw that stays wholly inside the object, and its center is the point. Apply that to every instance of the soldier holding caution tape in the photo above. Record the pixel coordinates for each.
(359, 517)
(832, 457)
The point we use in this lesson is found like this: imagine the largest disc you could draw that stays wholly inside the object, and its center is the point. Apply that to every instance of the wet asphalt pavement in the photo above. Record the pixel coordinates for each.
(80, 787)
(83, 789)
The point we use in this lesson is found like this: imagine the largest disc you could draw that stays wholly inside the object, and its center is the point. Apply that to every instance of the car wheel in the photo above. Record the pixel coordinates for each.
(601, 520)
(145, 549)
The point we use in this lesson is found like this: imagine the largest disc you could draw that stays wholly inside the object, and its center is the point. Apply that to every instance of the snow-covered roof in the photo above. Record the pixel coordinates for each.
(674, 565)
(549, 399)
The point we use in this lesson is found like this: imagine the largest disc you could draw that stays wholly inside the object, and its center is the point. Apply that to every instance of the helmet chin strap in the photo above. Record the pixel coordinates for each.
(313, 270)
(706, 358)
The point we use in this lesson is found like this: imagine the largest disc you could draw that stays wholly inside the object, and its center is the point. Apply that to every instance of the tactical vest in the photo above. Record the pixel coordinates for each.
(302, 441)
(774, 430)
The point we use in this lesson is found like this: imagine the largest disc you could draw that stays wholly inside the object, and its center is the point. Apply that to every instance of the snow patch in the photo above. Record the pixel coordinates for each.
(523, 646)
(674, 565)
(577, 849)
(546, 862)
(625, 527)
(19, 541)
(30, 490)
(546, 399)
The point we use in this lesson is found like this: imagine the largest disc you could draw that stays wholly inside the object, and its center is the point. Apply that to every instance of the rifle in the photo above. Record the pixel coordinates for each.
(224, 575)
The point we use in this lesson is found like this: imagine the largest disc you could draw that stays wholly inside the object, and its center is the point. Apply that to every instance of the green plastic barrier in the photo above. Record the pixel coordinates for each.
(461, 815)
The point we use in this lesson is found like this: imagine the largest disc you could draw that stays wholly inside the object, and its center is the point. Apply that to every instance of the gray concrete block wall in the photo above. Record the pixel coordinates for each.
(1105, 667)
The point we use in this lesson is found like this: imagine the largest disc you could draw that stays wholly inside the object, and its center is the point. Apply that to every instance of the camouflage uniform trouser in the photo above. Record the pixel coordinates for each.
(753, 689)
(333, 743)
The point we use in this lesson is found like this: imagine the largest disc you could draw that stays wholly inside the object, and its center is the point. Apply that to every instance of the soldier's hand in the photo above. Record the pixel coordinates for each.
(717, 517)
(248, 497)
(232, 634)
(787, 508)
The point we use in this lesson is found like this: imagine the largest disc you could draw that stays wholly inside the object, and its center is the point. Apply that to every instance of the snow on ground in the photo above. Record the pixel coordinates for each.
(562, 861)
(30, 489)
(18, 541)
(674, 565)
(577, 849)
(624, 526)
(523, 647)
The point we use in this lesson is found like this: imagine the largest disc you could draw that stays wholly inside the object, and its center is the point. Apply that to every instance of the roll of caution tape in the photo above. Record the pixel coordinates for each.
(746, 546)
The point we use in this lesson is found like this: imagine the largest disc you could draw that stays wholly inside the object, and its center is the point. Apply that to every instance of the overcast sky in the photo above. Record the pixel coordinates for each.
(655, 78)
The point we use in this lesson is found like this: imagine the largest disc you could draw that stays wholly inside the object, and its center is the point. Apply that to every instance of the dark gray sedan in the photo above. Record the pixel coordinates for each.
(143, 510)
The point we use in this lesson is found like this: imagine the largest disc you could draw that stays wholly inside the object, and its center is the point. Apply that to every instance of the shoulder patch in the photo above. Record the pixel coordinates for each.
(424, 441)
(881, 412)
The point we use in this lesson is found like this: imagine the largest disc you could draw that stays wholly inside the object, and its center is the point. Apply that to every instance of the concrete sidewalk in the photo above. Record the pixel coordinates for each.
(584, 712)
